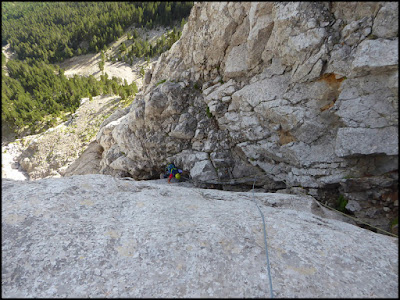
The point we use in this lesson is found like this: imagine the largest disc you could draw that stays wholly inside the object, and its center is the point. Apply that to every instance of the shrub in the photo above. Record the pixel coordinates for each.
(209, 114)
(161, 81)
(341, 204)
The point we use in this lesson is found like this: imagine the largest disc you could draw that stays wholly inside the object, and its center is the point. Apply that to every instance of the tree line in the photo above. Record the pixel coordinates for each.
(43, 33)
(139, 48)
(55, 31)
(38, 90)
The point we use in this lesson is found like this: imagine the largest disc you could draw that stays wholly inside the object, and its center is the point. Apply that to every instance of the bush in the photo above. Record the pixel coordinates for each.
(209, 114)
(341, 204)
(161, 81)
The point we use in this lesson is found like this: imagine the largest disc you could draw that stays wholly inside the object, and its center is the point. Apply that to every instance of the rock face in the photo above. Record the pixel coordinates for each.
(50, 153)
(298, 94)
(97, 236)
(88, 162)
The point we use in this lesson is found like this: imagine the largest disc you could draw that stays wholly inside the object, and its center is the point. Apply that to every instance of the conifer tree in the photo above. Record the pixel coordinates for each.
(123, 47)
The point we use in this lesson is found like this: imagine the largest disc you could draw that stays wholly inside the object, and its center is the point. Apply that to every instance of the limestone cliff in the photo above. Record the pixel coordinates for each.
(95, 236)
(298, 94)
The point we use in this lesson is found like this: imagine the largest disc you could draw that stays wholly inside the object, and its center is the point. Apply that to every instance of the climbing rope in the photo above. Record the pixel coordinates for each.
(231, 181)
(265, 242)
(236, 180)
(357, 220)
(245, 179)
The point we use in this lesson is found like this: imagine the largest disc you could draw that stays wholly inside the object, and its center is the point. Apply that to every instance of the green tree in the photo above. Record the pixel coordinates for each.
(183, 22)
(122, 48)
(101, 65)
(135, 34)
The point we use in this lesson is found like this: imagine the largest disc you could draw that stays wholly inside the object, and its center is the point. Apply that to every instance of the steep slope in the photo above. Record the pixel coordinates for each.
(97, 236)
(299, 94)
(51, 152)
(85, 65)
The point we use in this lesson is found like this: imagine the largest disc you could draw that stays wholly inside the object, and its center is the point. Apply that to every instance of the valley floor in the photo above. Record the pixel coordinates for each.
(84, 65)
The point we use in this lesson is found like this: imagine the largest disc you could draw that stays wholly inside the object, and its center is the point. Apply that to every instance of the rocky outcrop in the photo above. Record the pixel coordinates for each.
(297, 94)
(88, 162)
(50, 153)
(107, 237)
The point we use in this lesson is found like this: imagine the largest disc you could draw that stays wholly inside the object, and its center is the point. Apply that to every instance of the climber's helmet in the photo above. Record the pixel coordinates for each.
(178, 176)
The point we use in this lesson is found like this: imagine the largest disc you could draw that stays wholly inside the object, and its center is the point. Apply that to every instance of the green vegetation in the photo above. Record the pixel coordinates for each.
(54, 31)
(161, 81)
(137, 47)
(394, 222)
(142, 72)
(102, 62)
(37, 93)
(209, 114)
(341, 204)
(128, 101)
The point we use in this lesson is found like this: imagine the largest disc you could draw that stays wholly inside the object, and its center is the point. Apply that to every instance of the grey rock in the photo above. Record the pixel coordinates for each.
(366, 141)
(220, 91)
(147, 77)
(310, 92)
(265, 90)
(116, 238)
(87, 163)
(386, 22)
(375, 56)
(210, 89)
(185, 129)
(307, 40)
(356, 31)
(203, 171)
(236, 62)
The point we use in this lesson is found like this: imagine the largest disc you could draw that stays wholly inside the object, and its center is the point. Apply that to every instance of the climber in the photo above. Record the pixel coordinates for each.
(172, 171)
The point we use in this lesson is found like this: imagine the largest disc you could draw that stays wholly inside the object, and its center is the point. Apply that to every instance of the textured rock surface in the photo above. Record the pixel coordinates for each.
(96, 236)
(50, 153)
(88, 162)
(300, 94)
